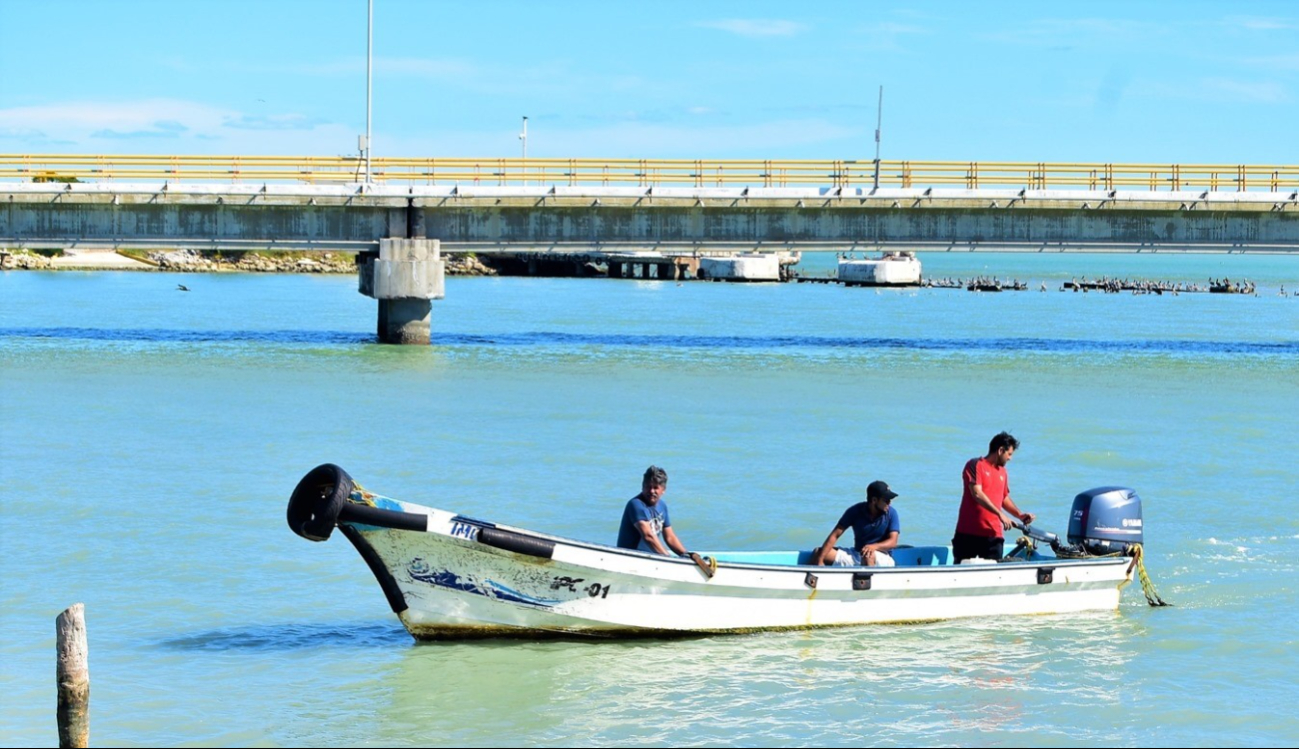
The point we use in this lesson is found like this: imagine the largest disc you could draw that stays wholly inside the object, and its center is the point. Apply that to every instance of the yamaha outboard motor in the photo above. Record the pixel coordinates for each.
(1106, 520)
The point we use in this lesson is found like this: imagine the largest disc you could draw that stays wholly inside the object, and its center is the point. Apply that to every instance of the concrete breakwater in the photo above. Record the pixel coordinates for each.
(197, 261)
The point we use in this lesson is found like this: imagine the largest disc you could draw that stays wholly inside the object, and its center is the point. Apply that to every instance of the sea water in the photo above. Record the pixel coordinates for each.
(150, 437)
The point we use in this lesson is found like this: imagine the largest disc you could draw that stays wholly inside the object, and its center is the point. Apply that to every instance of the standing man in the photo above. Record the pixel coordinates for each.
(875, 528)
(987, 510)
(645, 522)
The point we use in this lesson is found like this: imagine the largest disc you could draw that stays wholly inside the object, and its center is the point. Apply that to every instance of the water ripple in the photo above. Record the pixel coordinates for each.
(677, 341)
(171, 335)
(279, 637)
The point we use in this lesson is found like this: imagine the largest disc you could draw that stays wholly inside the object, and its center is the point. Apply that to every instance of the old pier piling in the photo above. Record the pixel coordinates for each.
(73, 675)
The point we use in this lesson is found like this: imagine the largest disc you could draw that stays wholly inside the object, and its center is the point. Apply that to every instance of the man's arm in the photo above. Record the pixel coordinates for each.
(890, 541)
(1026, 517)
(983, 500)
(646, 529)
(825, 555)
(670, 536)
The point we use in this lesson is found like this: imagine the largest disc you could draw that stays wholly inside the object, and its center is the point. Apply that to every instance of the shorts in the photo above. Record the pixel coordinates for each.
(852, 558)
(966, 546)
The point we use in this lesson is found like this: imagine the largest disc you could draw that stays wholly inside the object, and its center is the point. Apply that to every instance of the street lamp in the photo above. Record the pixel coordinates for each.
(523, 136)
(879, 123)
(369, 67)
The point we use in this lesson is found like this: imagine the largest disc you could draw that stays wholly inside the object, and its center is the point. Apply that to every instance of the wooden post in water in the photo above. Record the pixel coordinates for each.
(73, 678)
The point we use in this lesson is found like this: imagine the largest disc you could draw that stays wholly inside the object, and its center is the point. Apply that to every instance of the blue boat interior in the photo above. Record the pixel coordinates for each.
(903, 556)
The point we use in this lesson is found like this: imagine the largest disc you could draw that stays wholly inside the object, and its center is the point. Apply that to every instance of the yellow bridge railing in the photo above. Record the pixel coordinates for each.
(649, 172)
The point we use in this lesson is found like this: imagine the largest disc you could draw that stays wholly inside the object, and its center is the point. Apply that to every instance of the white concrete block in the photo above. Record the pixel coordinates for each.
(749, 267)
(880, 272)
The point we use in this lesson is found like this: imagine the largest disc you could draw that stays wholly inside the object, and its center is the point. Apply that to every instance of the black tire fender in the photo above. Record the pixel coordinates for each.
(317, 501)
(517, 542)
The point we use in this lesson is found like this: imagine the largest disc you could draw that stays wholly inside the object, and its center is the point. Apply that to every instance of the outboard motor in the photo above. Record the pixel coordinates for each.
(1106, 520)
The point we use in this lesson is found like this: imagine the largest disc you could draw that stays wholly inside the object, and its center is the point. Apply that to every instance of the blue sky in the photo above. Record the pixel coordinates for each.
(1165, 82)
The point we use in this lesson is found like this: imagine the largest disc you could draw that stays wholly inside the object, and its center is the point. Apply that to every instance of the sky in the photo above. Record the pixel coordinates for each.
(1123, 82)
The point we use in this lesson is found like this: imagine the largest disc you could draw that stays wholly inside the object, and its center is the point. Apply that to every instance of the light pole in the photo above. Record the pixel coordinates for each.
(523, 136)
(369, 75)
(879, 123)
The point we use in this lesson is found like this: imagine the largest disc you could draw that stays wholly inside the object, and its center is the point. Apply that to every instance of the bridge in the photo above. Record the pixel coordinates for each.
(403, 211)
(550, 205)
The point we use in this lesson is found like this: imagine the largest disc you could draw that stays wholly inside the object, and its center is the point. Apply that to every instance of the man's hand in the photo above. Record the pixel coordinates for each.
(1028, 518)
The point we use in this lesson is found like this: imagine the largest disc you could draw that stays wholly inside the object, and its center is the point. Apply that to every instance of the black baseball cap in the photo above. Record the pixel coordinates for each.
(881, 490)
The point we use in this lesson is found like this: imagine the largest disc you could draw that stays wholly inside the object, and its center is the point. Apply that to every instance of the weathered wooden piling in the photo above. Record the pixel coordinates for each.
(73, 678)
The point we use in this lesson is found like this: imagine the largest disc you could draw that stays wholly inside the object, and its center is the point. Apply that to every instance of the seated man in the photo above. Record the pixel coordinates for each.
(875, 529)
(646, 524)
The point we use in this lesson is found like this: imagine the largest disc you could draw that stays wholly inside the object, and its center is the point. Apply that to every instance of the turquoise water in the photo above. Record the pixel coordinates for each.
(149, 439)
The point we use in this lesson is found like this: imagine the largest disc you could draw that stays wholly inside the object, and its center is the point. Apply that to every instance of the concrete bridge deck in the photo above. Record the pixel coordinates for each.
(617, 219)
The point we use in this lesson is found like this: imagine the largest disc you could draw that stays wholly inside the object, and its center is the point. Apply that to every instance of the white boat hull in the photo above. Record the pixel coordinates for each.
(453, 584)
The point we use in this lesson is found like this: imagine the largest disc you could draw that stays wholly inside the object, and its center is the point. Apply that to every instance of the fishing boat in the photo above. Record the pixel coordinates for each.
(450, 576)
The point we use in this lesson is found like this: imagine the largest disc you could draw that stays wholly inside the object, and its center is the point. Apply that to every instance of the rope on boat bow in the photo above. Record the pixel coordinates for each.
(361, 496)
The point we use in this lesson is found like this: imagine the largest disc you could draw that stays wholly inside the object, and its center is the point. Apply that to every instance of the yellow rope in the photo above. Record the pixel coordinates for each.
(1138, 561)
(1026, 544)
(1147, 586)
(361, 496)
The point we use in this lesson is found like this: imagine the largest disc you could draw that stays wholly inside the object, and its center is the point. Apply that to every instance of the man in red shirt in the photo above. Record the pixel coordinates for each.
(986, 507)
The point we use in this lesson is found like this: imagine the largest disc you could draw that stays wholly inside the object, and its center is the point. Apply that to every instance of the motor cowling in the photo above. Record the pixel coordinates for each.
(1106, 520)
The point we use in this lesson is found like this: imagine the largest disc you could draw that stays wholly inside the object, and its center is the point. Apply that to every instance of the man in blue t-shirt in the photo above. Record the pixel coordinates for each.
(645, 522)
(875, 529)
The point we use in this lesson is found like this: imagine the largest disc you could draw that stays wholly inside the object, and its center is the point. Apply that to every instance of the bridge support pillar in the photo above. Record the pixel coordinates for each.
(404, 276)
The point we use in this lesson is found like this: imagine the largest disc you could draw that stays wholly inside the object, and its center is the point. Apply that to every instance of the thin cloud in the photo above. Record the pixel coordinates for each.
(115, 118)
(272, 122)
(166, 124)
(892, 27)
(134, 134)
(1053, 32)
(1259, 92)
(887, 36)
(1276, 62)
(416, 67)
(533, 77)
(1260, 23)
(755, 28)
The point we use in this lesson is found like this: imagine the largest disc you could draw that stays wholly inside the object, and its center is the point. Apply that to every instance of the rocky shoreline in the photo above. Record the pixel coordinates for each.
(195, 261)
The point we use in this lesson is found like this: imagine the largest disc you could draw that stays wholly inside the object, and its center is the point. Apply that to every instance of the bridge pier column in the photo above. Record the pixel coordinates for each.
(615, 269)
(404, 275)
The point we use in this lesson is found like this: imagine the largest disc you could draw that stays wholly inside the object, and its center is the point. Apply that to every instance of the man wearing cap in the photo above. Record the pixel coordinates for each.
(646, 525)
(987, 511)
(875, 529)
